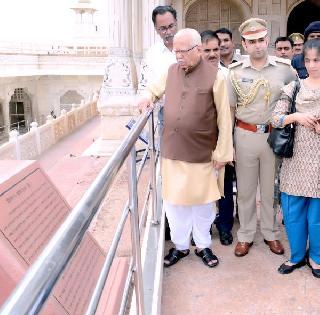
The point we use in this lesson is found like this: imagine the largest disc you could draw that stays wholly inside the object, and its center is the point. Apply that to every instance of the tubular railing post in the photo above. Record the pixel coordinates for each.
(153, 186)
(135, 233)
(32, 291)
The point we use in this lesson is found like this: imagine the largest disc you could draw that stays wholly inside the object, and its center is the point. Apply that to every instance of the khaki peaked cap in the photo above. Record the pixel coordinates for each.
(296, 36)
(253, 28)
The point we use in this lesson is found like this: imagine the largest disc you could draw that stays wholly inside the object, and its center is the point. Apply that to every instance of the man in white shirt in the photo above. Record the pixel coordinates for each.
(160, 57)
(228, 53)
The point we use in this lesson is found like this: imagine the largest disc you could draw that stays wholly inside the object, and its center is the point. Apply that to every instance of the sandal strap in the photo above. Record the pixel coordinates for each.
(207, 256)
(174, 256)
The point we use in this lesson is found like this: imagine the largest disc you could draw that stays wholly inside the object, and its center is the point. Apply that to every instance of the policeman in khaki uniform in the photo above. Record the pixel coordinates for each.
(254, 86)
(298, 40)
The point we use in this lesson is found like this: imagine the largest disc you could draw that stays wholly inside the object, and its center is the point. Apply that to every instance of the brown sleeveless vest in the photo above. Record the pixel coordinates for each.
(190, 116)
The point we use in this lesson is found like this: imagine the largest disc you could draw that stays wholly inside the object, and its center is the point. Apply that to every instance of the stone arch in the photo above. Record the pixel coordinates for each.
(20, 110)
(70, 97)
(213, 14)
(300, 14)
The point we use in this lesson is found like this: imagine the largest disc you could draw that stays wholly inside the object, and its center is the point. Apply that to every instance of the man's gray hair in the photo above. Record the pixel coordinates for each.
(190, 33)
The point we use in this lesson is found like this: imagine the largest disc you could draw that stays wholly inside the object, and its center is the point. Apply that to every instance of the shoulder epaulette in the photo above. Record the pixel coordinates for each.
(282, 60)
(235, 64)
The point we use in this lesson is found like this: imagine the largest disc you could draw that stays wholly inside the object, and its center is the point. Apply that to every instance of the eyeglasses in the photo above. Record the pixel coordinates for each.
(183, 51)
(163, 29)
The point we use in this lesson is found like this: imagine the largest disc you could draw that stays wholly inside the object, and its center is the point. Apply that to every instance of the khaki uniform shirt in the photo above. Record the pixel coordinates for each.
(253, 92)
(186, 183)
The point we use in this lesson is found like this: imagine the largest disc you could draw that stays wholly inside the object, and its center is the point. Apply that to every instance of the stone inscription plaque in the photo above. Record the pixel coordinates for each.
(77, 283)
(31, 211)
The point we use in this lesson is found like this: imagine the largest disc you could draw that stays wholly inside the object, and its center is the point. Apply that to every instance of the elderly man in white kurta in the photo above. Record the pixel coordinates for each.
(196, 144)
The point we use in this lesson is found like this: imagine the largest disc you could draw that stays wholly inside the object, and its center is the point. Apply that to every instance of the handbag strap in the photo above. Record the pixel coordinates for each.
(294, 96)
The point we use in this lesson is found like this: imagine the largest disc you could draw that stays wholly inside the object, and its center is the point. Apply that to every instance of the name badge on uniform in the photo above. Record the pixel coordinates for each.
(247, 80)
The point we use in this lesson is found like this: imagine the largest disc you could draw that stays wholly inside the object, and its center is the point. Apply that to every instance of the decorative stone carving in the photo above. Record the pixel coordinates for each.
(94, 109)
(58, 129)
(71, 121)
(142, 76)
(80, 117)
(28, 146)
(117, 73)
(262, 7)
(291, 4)
(187, 3)
(205, 14)
(46, 137)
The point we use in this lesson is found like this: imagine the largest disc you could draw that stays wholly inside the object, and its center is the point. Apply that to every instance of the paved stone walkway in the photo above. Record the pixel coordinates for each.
(72, 173)
(242, 286)
(247, 285)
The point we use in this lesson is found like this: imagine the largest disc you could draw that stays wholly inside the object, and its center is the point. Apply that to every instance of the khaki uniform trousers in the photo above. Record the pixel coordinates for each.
(255, 162)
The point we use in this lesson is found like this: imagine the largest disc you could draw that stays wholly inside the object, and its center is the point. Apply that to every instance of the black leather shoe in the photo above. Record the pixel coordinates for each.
(315, 272)
(226, 238)
(286, 269)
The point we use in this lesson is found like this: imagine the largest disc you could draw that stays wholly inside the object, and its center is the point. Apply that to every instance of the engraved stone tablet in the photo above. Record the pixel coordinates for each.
(31, 211)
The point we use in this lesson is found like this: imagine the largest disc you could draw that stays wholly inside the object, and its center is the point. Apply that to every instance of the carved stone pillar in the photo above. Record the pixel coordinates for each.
(119, 85)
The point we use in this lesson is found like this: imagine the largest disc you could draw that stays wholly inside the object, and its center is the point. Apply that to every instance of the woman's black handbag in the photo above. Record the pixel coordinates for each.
(281, 139)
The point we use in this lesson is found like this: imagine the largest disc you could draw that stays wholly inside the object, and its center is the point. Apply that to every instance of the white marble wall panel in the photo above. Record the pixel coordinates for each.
(46, 137)
(28, 146)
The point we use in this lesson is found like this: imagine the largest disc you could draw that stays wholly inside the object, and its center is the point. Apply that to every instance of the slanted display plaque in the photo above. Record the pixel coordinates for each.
(31, 211)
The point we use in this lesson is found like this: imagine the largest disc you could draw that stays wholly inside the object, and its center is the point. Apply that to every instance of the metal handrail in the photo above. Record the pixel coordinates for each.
(35, 287)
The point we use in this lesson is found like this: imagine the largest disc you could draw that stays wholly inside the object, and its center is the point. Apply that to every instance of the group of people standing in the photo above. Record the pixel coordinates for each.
(219, 108)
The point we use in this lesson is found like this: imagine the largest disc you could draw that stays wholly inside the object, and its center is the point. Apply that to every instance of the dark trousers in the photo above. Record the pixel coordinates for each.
(224, 222)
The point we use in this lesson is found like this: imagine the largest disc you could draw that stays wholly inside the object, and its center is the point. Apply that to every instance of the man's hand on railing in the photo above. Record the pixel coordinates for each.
(144, 104)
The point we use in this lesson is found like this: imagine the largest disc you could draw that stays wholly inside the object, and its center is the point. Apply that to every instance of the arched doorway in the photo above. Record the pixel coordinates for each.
(213, 14)
(69, 98)
(302, 15)
(20, 110)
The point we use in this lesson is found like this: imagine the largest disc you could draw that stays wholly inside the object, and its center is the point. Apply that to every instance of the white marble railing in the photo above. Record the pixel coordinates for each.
(40, 138)
(42, 49)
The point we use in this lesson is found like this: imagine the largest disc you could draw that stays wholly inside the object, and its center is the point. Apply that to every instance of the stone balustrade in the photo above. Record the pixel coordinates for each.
(40, 138)
(43, 49)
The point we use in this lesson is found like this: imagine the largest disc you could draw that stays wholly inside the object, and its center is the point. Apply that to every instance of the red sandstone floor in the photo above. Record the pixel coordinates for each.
(73, 173)
(248, 285)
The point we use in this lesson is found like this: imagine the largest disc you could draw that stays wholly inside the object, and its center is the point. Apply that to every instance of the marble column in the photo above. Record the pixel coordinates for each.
(120, 75)
(137, 32)
(118, 91)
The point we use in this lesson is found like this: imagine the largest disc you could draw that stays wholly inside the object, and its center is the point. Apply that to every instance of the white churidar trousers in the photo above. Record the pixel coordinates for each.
(186, 219)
